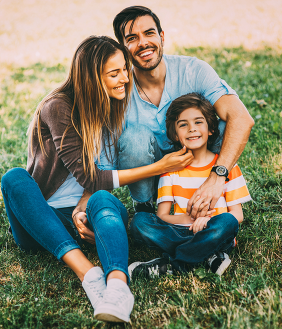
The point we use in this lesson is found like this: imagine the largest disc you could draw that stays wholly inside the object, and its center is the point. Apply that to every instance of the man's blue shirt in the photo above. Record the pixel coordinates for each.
(184, 74)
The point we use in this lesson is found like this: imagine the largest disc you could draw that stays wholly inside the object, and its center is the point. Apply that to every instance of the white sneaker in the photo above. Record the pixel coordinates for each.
(117, 303)
(94, 285)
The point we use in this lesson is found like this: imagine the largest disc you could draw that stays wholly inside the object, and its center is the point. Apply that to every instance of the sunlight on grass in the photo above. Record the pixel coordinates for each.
(38, 292)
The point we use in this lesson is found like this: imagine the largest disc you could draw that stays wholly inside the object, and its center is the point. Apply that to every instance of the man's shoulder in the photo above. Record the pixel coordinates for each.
(182, 61)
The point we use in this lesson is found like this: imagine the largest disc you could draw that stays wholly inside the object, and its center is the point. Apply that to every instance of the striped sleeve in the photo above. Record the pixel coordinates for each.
(165, 189)
(236, 190)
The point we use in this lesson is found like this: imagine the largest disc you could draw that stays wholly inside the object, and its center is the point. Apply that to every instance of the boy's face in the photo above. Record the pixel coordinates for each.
(192, 129)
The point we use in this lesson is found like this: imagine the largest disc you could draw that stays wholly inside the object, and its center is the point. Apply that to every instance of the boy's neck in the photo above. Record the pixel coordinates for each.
(202, 157)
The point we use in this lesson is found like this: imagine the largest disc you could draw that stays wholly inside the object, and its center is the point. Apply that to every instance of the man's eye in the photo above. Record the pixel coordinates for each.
(130, 39)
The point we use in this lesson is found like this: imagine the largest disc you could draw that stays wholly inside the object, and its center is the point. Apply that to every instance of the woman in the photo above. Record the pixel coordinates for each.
(70, 127)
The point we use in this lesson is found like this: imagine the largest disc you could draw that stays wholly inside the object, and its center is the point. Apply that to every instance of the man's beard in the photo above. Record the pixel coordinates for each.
(153, 66)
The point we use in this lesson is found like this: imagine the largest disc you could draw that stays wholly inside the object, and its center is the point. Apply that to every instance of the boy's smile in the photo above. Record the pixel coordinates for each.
(192, 129)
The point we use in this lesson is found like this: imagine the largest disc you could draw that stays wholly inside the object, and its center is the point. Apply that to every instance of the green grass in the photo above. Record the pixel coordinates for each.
(36, 291)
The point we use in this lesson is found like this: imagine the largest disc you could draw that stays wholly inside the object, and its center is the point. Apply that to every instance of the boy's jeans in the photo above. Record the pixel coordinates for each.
(183, 248)
(37, 226)
(138, 147)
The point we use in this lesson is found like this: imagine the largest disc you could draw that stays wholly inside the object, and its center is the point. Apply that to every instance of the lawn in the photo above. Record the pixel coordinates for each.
(36, 291)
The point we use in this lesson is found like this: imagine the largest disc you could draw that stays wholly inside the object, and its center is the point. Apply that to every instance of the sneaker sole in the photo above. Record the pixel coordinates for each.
(106, 317)
(109, 315)
(223, 266)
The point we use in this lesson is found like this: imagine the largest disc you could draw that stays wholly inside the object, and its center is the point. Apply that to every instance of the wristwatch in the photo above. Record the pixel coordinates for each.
(221, 171)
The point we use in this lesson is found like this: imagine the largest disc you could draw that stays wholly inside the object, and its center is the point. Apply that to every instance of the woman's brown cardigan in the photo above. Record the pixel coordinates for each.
(51, 170)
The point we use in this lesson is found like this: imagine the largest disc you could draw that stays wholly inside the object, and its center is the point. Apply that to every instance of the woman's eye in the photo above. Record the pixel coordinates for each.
(198, 122)
(114, 76)
(183, 125)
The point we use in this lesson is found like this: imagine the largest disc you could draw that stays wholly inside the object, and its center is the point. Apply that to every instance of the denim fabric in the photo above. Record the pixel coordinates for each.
(138, 147)
(181, 246)
(108, 219)
(37, 226)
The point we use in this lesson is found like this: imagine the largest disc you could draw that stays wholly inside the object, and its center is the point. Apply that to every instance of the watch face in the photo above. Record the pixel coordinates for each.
(221, 171)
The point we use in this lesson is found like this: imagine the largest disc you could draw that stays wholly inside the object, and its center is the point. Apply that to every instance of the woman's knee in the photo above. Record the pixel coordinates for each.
(15, 175)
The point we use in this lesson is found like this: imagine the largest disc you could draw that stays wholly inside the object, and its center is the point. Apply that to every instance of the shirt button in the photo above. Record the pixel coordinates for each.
(163, 131)
(79, 161)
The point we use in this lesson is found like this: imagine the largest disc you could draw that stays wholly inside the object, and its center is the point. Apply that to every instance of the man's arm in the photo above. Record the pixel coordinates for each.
(238, 127)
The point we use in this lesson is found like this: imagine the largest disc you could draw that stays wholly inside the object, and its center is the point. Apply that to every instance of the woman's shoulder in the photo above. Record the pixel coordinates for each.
(55, 108)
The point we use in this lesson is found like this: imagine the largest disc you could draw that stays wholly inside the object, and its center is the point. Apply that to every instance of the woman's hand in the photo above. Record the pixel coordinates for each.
(177, 160)
(80, 222)
(199, 224)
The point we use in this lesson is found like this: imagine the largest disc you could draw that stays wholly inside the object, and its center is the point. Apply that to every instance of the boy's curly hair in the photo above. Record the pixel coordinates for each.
(184, 102)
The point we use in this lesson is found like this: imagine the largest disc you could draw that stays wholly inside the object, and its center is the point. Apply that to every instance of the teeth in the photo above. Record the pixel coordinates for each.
(119, 88)
(146, 53)
(193, 138)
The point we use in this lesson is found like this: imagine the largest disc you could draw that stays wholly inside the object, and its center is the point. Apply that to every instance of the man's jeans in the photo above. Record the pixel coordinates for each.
(138, 147)
(37, 226)
(183, 248)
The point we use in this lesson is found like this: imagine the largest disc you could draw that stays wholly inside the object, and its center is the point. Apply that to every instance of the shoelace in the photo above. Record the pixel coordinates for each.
(96, 288)
(114, 296)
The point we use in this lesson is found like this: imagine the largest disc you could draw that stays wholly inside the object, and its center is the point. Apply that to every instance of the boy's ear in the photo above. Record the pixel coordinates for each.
(210, 133)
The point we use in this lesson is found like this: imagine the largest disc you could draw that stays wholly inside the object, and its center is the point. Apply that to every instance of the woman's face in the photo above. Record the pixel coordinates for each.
(115, 75)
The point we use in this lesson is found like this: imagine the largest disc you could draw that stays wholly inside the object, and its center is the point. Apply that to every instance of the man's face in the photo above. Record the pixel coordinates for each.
(144, 43)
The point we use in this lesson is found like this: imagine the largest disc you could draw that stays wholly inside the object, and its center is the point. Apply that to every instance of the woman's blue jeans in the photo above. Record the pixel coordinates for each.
(183, 248)
(37, 226)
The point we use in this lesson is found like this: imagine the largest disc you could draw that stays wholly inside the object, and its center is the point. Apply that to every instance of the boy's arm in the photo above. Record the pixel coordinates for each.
(237, 212)
(164, 210)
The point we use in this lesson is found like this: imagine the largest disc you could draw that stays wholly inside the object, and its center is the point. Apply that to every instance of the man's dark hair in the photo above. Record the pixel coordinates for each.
(130, 14)
(184, 102)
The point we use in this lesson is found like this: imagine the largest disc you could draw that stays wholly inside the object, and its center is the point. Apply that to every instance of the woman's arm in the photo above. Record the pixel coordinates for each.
(80, 219)
(171, 162)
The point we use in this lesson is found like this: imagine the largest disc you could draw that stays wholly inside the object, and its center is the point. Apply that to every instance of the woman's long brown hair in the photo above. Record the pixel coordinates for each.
(97, 118)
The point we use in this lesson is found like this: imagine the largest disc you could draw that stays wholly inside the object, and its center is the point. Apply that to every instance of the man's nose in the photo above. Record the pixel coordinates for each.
(142, 41)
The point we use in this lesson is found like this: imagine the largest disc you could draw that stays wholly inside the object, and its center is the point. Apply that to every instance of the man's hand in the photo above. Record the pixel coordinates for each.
(206, 196)
(177, 161)
(199, 224)
(80, 222)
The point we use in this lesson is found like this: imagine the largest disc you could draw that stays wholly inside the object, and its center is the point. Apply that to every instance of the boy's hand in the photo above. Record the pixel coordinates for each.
(199, 224)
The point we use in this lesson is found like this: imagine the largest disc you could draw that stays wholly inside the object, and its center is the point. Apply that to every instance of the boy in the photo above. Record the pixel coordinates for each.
(185, 241)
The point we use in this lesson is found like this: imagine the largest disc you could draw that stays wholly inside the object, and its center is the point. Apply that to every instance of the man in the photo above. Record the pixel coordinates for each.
(159, 79)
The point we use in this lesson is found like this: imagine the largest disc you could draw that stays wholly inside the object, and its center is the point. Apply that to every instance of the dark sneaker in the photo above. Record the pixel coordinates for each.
(154, 268)
(144, 207)
(219, 262)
